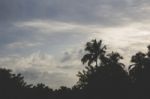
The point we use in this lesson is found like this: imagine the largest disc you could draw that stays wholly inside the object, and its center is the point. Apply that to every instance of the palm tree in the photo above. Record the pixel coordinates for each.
(136, 69)
(139, 73)
(95, 50)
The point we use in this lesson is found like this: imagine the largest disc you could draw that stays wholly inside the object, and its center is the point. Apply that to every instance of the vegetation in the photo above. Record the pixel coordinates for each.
(104, 77)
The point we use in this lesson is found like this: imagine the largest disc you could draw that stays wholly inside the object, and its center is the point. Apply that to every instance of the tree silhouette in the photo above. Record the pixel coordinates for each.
(109, 79)
(94, 51)
(139, 72)
(12, 85)
(104, 77)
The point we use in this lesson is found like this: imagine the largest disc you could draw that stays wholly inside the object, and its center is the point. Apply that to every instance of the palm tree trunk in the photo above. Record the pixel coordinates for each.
(96, 63)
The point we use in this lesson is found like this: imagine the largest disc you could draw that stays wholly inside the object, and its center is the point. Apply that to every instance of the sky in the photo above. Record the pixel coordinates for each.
(44, 40)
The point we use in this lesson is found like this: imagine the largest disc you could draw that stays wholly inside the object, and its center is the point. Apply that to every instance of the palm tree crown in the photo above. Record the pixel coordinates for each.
(95, 50)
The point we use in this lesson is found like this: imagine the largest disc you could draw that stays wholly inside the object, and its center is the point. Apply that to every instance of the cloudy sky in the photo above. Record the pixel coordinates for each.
(44, 39)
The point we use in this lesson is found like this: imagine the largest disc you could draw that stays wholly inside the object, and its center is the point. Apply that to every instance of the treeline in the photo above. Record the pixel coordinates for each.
(104, 77)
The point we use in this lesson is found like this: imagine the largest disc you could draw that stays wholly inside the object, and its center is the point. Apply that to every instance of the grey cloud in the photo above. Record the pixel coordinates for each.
(53, 80)
(10, 36)
(44, 68)
(18, 40)
(105, 13)
(71, 60)
(66, 57)
(25, 40)
(72, 54)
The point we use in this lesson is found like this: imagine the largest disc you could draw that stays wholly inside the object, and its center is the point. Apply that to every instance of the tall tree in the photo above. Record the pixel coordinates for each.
(139, 72)
(106, 80)
(95, 50)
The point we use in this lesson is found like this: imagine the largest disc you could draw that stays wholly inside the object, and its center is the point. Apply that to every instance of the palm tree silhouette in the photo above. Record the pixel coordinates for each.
(95, 50)
(137, 67)
(139, 73)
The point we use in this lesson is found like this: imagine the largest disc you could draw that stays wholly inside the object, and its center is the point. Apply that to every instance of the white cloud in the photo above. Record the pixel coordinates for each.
(127, 40)
(42, 67)
(23, 44)
(49, 26)
(46, 26)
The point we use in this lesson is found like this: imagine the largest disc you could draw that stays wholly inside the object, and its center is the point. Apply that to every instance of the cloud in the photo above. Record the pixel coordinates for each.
(105, 13)
(47, 36)
(32, 22)
(52, 79)
(44, 39)
(46, 26)
(42, 67)
(22, 45)
(126, 40)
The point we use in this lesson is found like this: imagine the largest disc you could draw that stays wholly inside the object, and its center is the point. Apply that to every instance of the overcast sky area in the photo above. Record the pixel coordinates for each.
(44, 39)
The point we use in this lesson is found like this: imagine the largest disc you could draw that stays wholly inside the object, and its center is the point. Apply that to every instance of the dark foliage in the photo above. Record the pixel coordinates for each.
(140, 75)
(104, 77)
